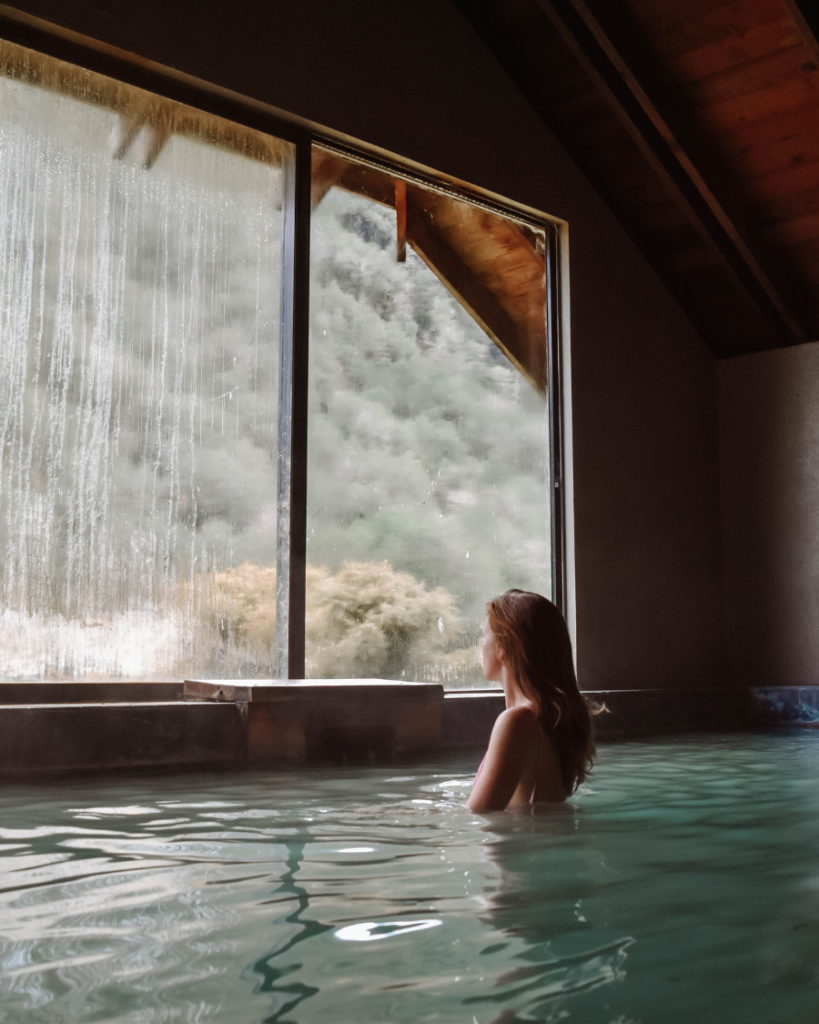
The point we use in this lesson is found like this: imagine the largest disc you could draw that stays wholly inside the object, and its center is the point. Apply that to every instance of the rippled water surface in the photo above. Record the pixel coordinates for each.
(681, 885)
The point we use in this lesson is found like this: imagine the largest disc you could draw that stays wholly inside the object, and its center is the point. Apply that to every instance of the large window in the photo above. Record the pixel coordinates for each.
(428, 447)
(139, 330)
(154, 517)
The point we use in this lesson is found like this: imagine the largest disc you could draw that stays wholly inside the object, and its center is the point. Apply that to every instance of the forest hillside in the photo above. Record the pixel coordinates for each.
(139, 310)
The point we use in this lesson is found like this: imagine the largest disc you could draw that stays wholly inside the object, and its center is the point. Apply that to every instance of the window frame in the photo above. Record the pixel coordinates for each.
(52, 41)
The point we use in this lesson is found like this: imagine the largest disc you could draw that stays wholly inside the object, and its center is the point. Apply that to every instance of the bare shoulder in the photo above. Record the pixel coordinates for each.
(515, 724)
(514, 738)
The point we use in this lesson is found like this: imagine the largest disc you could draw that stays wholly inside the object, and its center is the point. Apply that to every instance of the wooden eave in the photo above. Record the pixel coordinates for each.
(494, 267)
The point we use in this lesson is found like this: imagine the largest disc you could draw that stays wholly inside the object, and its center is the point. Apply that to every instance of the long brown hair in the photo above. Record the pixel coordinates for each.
(536, 646)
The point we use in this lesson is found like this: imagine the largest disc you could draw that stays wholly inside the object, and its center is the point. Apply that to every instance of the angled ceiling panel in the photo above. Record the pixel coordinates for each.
(698, 123)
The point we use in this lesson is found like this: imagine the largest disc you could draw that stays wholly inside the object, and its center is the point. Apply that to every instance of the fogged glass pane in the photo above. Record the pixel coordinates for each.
(428, 484)
(139, 297)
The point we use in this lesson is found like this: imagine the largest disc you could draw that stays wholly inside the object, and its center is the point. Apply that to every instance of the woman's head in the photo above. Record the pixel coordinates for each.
(531, 639)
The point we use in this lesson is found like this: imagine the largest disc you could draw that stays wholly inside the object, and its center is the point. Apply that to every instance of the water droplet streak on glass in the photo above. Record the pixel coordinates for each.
(138, 383)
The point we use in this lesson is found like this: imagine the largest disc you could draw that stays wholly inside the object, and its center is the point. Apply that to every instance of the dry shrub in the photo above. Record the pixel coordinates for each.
(369, 620)
(365, 620)
(244, 599)
(237, 608)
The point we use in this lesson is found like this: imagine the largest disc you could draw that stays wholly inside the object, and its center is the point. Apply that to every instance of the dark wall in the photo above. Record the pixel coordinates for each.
(413, 78)
(769, 440)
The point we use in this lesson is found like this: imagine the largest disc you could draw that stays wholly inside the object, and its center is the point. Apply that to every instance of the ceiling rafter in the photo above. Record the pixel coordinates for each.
(460, 280)
(683, 176)
(494, 268)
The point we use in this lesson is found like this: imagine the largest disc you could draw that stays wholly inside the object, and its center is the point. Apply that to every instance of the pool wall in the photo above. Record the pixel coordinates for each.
(100, 727)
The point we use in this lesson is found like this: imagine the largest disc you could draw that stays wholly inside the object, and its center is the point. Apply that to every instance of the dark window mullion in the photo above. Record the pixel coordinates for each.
(555, 420)
(292, 452)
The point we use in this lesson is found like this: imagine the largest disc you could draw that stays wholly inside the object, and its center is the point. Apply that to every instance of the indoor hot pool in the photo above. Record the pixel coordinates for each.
(680, 885)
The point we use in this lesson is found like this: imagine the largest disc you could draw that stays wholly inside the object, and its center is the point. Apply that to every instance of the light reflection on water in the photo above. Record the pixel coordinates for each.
(680, 886)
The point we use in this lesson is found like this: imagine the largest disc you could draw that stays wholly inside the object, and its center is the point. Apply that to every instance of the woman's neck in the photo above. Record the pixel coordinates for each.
(511, 690)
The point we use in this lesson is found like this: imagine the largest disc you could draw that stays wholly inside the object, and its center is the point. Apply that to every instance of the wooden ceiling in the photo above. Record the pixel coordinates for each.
(697, 121)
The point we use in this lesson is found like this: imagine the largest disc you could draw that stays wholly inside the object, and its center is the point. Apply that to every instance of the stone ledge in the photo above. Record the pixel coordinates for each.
(48, 738)
(233, 723)
(87, 692)
(311, 691)
(468, 715)
(342, 719)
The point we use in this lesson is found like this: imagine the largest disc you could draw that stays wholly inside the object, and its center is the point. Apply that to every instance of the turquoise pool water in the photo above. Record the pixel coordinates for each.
(681, 885)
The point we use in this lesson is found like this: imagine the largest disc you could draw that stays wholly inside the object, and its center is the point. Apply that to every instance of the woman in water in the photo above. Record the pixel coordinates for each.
(542, 745)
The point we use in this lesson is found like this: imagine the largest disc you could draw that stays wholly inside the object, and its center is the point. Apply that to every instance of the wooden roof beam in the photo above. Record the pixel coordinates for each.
(476, 299)
(416, 227)
(625, 90)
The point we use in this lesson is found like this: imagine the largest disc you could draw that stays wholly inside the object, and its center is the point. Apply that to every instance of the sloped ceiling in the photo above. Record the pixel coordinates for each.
(698, 123)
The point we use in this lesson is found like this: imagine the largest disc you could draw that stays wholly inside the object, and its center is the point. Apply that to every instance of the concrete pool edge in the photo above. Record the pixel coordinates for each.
(53, 728)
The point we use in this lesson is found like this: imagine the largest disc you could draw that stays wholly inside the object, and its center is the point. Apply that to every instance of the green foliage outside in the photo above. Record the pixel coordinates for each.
(426, 447)
(139, 389)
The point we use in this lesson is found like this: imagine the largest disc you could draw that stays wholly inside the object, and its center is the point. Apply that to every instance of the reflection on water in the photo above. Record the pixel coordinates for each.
(288, 995)
(540, 908)
(373, 931)
(681, 886)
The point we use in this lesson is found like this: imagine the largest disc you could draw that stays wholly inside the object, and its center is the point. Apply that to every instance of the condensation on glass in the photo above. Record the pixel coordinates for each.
(139, 345)
(428, 449)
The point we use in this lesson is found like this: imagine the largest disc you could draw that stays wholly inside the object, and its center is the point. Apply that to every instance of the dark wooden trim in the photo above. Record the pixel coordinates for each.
(473, 194)
(301, 367)
(555, 396)
(625, 91)
(291, 523)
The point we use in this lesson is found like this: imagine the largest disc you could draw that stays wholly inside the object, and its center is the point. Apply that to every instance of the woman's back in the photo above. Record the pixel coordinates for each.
(521, 766)
(548, 777)
(542, 744)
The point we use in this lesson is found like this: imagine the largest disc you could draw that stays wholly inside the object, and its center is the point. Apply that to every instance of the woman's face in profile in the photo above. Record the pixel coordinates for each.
(491, 655)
